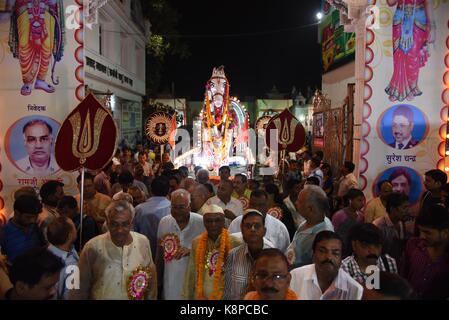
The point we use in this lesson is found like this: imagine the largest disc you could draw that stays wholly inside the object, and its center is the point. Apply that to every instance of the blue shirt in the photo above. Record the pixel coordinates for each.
(147, 218)
(70, 258)
(299, 253)
(15, 241)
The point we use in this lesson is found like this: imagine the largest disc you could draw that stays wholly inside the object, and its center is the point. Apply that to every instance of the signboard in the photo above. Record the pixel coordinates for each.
(406, 96)
(337, 46)
(41, 81)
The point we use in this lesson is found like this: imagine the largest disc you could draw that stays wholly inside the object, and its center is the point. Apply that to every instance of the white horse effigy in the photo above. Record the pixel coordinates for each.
(222, 121)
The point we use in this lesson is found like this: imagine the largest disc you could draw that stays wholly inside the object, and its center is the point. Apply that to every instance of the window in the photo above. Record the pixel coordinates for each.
(100, 39)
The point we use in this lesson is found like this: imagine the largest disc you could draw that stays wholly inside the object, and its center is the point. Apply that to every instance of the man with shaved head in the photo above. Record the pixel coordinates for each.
(199, 196)
(313, 205)
(232, 207)
(175, 235)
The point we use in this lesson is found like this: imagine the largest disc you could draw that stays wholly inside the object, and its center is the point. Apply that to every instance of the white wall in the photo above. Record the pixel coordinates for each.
(335, 83)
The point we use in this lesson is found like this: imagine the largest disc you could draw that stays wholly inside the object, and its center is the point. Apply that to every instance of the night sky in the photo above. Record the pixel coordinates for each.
(253, 63)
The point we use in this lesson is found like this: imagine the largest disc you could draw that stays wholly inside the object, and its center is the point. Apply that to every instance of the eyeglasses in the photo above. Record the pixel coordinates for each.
(116, 225)
(266, 276)
(33, 140)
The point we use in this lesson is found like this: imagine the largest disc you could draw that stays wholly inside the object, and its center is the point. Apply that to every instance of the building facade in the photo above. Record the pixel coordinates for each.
(115, 62)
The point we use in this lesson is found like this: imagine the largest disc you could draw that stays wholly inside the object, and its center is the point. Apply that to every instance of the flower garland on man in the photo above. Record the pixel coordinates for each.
(204, 279)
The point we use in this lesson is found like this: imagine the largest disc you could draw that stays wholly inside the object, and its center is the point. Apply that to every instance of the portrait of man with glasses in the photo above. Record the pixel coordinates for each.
(38, 142)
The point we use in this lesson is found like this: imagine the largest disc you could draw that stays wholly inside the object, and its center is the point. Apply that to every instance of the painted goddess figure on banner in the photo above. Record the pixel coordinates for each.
(36, 34)
(414, 29)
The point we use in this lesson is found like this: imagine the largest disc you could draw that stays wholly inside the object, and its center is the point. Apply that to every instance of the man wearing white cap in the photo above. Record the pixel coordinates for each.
(204, 278)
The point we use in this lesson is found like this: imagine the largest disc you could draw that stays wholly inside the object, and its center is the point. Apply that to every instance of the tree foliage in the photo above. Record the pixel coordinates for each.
(163, 41)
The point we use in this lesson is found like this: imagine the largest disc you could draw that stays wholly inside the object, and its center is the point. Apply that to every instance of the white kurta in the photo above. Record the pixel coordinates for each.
(233, 205)
(277, 232)
(174, 270)
(106, 268)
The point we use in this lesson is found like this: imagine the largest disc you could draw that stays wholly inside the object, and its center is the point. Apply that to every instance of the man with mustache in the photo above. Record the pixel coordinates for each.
(241, 259)
(324, 279)
(270, 277)
(402, 128)
(366, 243)
(204, 277)
(38, 141)
(426, 259)
(277, 232)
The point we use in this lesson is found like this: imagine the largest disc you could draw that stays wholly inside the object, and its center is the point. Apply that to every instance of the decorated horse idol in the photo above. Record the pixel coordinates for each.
(217, 120)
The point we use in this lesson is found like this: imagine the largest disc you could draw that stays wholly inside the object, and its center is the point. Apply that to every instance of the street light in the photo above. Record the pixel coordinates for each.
(319, 16)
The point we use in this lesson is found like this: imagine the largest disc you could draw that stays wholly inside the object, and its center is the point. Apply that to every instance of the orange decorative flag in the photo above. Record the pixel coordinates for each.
(171, 140)
(243, 136)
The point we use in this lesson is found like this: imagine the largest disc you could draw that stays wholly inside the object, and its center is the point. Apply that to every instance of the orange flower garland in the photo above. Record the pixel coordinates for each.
(254, 295)
(225, 245)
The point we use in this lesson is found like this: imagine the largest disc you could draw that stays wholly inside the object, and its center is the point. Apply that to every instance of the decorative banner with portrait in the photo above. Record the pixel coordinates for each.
(41, 81)
(404, 117)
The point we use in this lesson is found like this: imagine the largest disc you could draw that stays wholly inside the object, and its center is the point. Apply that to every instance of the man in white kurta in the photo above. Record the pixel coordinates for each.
(172, 258)
(231, 206)
(108, 260)
(277, 232)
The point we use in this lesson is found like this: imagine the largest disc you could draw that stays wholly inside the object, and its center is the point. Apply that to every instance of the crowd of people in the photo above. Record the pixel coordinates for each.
(150, 231)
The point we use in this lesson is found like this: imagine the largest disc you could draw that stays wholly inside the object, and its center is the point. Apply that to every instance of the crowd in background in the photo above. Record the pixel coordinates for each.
(303, 234)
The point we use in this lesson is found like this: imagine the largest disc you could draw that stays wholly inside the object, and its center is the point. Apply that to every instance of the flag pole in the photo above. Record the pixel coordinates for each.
(81, 207)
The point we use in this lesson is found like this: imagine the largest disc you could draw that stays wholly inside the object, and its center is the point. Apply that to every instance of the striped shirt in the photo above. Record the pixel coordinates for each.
(238, 268)
(350, 265)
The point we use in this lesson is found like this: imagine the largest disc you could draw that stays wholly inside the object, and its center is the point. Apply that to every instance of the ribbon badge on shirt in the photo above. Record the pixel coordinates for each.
(170, 243)
(138, 283)
(211, 262)
(244, 202)
(275, 212)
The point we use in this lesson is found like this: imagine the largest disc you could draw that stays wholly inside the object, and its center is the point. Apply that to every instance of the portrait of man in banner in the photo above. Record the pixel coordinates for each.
(35, 155)
(36, 39)
(404, 180)
(403, 127)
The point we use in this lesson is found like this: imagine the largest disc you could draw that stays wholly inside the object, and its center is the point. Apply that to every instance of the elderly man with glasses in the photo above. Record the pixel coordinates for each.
(117, 265)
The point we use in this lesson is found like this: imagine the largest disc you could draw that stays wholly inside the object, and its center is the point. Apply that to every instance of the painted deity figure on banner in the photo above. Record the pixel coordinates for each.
(36, 35)
(414, 29)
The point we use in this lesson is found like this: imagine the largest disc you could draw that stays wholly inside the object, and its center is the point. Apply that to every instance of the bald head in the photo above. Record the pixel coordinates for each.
(312, 203)
(224, 190)
(200, 194)
(180, 205)
(202, 176)
(180, 195)
(188, 184)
